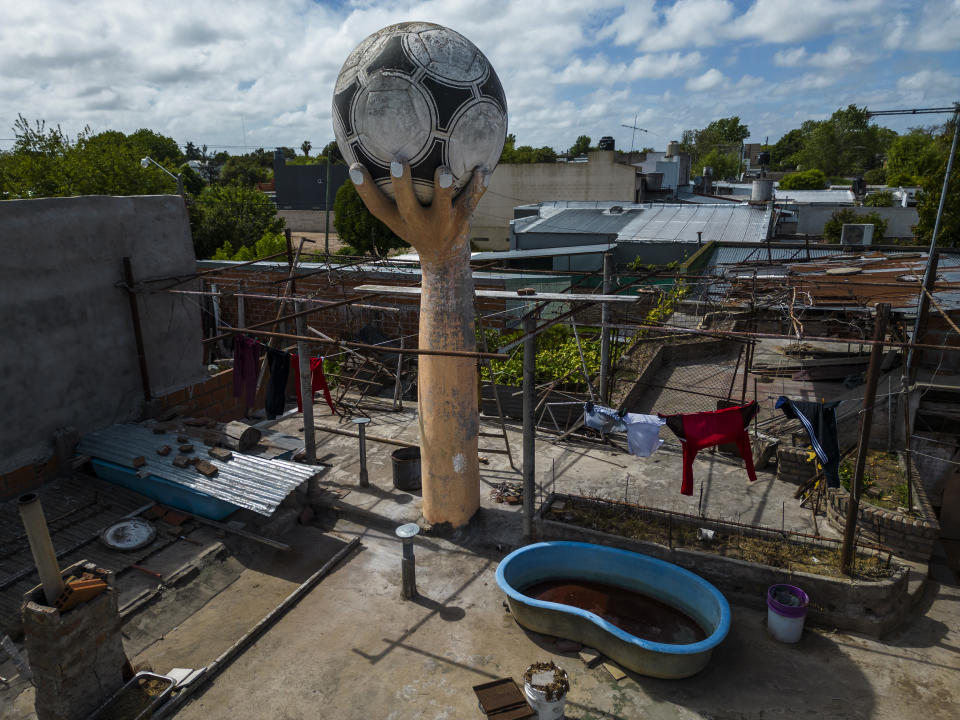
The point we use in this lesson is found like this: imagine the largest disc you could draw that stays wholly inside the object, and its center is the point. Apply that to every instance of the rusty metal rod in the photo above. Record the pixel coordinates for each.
(364, 346)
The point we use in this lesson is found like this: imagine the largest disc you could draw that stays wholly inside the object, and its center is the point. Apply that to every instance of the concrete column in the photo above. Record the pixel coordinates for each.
(604, 327)
(77, 657)
(306, 393)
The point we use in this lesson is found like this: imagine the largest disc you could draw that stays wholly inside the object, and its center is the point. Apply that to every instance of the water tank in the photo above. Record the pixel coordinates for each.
(606, 143)
(673, 148)
(763, 158)
(761, 191)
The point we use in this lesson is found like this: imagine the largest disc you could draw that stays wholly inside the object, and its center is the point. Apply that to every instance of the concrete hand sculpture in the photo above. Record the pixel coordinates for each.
(447, 385)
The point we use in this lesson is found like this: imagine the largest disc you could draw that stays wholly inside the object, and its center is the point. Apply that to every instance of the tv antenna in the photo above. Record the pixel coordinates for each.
(634, 127)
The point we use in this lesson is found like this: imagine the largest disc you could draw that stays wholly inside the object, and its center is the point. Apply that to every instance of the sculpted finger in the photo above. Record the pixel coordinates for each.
(442, 188)
(403, 189)
(470, 197)
(376, 202)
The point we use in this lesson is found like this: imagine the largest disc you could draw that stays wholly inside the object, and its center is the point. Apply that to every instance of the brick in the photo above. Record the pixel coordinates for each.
(187, 448)
(182, 439)
(207, 469)
(172, 517)
(181, 461)
(139, 461)
(220, 453)
(163, 450)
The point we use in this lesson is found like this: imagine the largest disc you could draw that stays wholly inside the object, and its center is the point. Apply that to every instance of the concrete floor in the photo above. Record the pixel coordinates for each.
(351, 648)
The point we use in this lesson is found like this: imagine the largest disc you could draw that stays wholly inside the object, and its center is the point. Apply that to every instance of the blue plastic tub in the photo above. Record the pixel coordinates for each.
(164, 491)
(655, 578)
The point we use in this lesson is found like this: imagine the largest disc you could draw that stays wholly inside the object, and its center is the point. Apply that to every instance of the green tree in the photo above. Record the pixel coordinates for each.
(783, 154)
(883, 198)
(306, 146)
(914, 154)
(847, 216)
(581, 146)
(724, 135)
(804, 180)
(847, 143)
(876, 176)
(724, 164)
(192, 182)
(332, 151)
(191, 151)
(243, 170)
(525, 153)
(358, 228)
(931, 188)
(44, 162)
(235, 214)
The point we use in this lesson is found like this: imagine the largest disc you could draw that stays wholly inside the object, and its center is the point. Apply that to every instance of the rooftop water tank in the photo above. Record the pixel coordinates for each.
(673, 148)
(761, 191)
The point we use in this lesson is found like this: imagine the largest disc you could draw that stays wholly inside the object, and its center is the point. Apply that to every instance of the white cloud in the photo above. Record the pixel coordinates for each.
(598, 70)
(936, 27)
(689, 23)
(710, 79)
(790, 58)
(934, 84)
(776, 21)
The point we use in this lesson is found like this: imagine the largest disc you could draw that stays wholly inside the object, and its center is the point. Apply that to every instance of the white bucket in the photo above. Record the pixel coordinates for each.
(785, 619)
(545, 709)
(541, 680)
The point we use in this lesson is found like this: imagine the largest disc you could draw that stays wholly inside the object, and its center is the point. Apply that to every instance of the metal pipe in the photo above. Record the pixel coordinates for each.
(389, 349)
(928, 273)
(529, 429)
(45, 557)
(866, 421)
(604, 330)
(306, 392)
(408, 562)
(361, 423)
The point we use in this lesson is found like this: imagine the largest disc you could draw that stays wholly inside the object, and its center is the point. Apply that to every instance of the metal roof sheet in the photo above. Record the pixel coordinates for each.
(842, 197)
(724, 222)
(542, 252)
(247, 481)
(582, 220)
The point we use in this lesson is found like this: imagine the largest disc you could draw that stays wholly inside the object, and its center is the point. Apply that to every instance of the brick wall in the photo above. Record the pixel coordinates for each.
(24, 479)
(211, 398)
(342, 322)
(910, 536)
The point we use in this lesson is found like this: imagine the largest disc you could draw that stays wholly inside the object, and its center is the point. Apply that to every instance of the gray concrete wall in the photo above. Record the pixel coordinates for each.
(306, 220)
(598, 179)
(68, 355)
(900, 221)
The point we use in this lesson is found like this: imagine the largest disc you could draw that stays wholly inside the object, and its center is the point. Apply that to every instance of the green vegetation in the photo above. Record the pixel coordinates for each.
(233, 214)
(845, 216)
(526, 153)
(805, 180)
(581, 146)
(270, 244)
(358, 229)
(557, 356)
(883, 198)
(716, 145)
(875, 176)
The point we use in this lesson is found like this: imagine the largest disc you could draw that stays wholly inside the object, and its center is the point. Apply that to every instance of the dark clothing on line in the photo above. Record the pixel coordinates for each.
(246, 367)
(704, 429)
(820, 422)
(276, 397)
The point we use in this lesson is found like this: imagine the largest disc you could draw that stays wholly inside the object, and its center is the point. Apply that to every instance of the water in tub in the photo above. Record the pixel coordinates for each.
(640, 615)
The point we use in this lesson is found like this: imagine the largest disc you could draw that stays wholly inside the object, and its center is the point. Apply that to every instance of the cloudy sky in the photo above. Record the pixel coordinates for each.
(260, 74)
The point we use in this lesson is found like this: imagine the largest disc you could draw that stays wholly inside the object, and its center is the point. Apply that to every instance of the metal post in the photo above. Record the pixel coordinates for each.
(923, 308)
(361, 423)
(137, 331)
(326, 205)
(529, 430)
(866, 422)
(41, 546)
(930, 271)
(306, 392)
(408, 563)
(241, 309)
(604, 330)
(180, 186)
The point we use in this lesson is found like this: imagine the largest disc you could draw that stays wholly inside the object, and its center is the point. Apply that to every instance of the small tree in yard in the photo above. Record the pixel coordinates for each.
(235, 214)
(812, 179)
(358, 228)
(848, 216)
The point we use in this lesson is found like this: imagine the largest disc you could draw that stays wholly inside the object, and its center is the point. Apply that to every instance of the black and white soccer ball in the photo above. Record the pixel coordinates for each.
(424, 94)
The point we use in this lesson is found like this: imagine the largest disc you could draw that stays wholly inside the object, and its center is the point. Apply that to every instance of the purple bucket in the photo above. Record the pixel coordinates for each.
(787, 601)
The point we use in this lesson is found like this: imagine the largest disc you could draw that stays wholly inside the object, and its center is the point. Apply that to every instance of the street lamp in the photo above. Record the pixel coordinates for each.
(147, 161)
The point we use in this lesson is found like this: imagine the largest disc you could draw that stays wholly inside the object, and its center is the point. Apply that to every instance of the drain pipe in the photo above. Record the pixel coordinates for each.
(361, 423)
(41, 546)
(408, 563)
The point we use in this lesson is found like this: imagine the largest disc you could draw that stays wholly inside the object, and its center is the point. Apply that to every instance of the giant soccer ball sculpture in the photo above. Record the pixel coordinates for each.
(420, 115)
(423, 94)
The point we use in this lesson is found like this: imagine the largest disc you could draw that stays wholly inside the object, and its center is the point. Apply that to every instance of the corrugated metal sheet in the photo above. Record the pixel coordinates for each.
(726, 255)
(589, 221)
(247, 481)
(541, 252)
(724, 222)
(840, 197)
